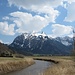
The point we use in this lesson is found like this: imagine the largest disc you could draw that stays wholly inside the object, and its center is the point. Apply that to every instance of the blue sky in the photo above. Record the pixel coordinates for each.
(54, 17)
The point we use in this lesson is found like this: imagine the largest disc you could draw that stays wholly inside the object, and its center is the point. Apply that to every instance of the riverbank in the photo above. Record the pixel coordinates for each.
(63, 65)
(66, 66)
(13, 64)
(47, 59)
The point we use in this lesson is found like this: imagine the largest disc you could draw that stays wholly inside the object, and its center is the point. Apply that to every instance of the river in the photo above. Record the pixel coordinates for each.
(35, 69)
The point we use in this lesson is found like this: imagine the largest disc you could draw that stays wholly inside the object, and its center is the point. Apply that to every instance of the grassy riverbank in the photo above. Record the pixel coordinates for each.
(66, 66)
(13, 64)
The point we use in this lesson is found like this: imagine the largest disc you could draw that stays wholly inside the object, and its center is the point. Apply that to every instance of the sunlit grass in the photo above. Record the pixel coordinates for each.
(66, 66)
(13, 64)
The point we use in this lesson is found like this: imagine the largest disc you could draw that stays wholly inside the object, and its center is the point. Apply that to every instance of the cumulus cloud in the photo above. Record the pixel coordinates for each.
(70, 1)
(47, 7)
(31, 4)
(39, 6)
(61, 30)
(27, 23)
(5, 18)
(6, 29)
(70, 12)
(49, 12)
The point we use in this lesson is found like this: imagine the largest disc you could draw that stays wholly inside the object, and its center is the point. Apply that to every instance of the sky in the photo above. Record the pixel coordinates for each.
(54, 17)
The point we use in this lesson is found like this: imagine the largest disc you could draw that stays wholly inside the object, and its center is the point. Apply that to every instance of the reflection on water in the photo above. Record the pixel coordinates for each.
(36, 69)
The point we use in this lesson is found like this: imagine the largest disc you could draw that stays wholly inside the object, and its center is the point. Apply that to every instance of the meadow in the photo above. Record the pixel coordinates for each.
(8, 64)
(62, 65)
(66, 66)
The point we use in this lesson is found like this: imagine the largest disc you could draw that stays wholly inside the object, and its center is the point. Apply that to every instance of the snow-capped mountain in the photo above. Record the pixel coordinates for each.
(29, 36)
(65, 40)
(34, 34)
(40, 43)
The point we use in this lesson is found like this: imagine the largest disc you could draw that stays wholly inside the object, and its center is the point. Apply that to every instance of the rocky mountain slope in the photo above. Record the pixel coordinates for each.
(36, 43)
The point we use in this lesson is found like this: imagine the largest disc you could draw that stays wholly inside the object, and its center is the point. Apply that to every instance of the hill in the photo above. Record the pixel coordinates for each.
(5, 51)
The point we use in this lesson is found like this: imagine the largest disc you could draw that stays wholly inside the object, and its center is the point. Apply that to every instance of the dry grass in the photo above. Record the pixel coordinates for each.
(66, 66)
(13, 64)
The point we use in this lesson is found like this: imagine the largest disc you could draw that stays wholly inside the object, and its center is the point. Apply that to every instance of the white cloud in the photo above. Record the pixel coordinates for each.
(47, 7)
(28, 23)
(70, 7)
(6, 29)
(49, 12)
(39, 6)
(70, 1)
(5, 18)
(61, 30)
(70, 12)
(30, 4)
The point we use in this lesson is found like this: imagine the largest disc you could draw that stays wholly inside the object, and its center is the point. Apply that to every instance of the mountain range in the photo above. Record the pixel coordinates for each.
(40, 43)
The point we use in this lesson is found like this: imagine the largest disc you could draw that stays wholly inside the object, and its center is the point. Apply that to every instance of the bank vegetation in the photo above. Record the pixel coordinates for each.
(13, 64)
(66, 66)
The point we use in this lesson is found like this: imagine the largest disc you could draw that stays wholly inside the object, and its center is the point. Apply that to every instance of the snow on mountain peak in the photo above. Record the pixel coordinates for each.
(28, 35)
(64, 40)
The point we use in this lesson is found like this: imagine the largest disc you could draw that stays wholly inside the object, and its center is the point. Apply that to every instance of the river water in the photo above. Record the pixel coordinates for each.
(35, 69)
